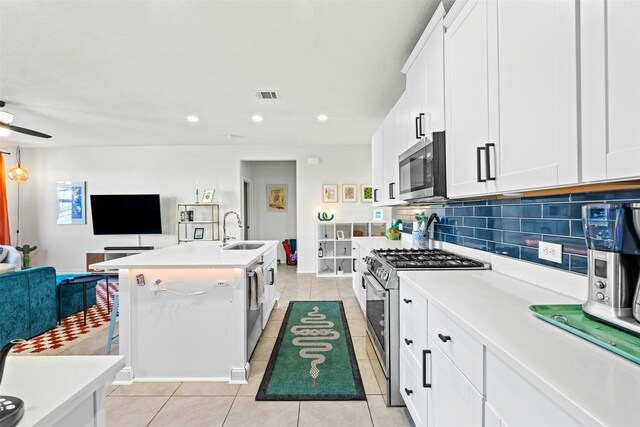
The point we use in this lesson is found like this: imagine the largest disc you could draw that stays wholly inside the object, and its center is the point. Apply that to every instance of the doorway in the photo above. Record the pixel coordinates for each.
(269, 204)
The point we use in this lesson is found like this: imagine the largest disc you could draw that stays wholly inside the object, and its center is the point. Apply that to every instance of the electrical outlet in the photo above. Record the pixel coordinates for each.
(550, 252)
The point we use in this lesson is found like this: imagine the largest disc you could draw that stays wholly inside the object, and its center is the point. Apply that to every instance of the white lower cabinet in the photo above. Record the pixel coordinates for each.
(359, 290)
(516, 402)
(452, 400)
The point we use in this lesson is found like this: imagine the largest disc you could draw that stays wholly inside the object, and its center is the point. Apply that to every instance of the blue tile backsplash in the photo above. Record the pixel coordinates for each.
(514, 227)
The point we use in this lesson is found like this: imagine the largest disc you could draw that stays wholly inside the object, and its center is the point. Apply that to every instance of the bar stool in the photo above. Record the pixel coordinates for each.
(112, 323)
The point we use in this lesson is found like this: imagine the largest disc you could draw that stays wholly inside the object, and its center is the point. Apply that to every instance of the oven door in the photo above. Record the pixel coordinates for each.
(416, 171)
(378, 319)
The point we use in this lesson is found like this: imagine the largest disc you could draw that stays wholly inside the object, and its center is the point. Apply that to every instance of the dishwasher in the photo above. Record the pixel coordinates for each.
(254, 317)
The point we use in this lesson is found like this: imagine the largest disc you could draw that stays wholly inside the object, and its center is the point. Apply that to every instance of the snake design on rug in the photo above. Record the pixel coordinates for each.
(312, 335)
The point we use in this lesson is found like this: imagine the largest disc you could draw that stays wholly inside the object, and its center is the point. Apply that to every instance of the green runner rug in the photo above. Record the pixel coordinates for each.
(313, 358)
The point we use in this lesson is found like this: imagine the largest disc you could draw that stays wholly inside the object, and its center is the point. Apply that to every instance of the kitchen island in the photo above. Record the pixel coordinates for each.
(184, 310)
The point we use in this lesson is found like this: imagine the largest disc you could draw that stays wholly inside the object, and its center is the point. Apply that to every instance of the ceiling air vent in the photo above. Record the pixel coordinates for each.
(267, 94)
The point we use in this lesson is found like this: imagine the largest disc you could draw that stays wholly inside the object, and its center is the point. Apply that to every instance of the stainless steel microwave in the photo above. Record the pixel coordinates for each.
(422, 171)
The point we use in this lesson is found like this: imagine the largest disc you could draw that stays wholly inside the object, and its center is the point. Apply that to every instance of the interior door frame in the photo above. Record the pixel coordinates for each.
(248, 222)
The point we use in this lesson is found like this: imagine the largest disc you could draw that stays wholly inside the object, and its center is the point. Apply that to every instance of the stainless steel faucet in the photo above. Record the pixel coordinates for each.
(226, 238)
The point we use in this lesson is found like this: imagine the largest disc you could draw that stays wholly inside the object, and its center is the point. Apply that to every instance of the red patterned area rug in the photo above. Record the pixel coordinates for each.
(73, 327)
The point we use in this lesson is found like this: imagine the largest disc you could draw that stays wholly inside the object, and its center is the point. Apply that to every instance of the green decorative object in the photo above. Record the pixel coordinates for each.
(323, 216)
(313, 358)
(26, 258)
(571, 318)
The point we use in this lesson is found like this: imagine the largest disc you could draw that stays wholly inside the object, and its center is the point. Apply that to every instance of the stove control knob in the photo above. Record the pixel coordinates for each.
(600, 296)
(600, 284)
(385, 275)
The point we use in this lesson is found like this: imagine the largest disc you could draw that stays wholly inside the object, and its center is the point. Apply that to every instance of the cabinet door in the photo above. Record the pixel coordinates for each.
(403, 125)
(390, 160)
(537, 133)
(610, 66)
(467, 98)
(355, 277)
(434, 80)
(377, 167)
(453, 401)
(416, 95)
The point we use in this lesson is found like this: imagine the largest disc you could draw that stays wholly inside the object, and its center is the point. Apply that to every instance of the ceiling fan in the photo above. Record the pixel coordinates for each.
(6, 118)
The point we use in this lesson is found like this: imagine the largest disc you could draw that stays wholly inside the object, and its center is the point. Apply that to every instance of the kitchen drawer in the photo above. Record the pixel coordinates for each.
(458, 345)
(413, 338)
(413, 304)
(411, 381)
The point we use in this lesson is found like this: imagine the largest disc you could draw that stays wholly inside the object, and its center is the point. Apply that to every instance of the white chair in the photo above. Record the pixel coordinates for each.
(13, 257)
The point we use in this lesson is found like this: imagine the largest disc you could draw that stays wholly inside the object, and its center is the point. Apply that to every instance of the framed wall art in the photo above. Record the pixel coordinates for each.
(366, 193)
(207, 196)
(277, 198)
(330, 193)
(71, 202)
(349, 193)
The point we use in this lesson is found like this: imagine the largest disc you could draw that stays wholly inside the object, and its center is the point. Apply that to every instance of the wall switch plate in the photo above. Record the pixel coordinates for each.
(550, 252)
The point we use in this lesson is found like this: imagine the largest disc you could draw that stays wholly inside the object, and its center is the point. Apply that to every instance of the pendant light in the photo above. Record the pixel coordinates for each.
(18, 173)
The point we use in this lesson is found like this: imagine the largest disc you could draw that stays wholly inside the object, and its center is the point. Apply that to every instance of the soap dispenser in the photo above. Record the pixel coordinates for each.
(11, 408)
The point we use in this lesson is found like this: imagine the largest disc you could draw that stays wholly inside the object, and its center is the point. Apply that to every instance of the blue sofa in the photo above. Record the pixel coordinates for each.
(28, 304)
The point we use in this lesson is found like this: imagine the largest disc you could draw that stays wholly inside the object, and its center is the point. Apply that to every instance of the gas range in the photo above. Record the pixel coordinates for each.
(384, 264)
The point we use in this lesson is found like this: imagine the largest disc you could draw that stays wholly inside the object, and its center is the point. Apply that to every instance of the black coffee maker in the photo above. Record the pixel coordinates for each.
(11, 408)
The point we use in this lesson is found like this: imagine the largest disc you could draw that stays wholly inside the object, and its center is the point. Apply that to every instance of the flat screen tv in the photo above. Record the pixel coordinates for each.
(126, 214)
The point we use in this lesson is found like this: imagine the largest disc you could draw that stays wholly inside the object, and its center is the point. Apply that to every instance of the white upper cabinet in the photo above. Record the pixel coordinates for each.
(537, 130)
(390, 160)
(377, 171)
(610, 89)
(467, 101)
(511, 96)
(425, 81)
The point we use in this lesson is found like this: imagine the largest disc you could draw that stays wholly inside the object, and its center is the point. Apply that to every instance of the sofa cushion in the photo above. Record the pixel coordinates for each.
(7, 268)
(3, 253)
(14, 307)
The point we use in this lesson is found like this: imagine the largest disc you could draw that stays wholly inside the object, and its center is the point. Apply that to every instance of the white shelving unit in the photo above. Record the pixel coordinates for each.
(206, 215)
(337, 260)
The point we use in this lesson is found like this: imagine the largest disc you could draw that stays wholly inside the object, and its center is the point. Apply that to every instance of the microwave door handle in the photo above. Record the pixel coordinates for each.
(479, 151)
(488, 146)
(418, 127)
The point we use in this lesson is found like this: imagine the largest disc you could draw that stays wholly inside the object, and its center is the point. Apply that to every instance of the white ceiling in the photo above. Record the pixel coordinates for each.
(105, 72)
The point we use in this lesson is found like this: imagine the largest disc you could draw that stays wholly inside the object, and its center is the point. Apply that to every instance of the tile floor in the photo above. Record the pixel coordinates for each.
(221, 404)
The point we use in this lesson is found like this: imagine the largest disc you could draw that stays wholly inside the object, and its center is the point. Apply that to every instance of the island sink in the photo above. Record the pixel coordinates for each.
(243, 246)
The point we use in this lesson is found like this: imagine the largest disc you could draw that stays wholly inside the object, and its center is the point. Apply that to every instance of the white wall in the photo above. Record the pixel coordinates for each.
(270, 225)
(172, 171)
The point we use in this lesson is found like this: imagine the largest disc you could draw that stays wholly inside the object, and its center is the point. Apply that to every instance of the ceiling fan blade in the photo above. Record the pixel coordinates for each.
(25, 131)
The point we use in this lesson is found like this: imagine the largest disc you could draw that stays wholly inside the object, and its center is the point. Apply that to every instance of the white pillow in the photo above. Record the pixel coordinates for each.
(3, 253)
(7, 268)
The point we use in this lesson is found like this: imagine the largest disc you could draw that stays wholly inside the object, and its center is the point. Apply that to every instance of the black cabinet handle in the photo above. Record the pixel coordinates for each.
(409, 342)
(479, 151)
(487, 146)
(444, 338)
(392, 193)
(420, 118)
(407, 301)
(354, 265)
(424, 368)
(375, 195)
(409, 392)
(363, 285)
(417, 127)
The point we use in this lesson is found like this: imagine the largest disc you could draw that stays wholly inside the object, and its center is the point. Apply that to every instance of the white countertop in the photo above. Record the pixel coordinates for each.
(371, 243)
(190, 255)
(570, 370)
(51, 386)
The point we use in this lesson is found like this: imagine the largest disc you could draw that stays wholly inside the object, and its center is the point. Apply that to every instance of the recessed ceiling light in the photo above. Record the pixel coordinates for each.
(193, 119)
(256, 118)
(323, 117)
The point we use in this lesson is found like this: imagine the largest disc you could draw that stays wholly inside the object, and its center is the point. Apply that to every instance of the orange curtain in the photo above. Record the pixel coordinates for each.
(5, 234)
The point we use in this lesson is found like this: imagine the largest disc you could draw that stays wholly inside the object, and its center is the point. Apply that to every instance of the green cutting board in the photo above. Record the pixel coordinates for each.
(613, 339)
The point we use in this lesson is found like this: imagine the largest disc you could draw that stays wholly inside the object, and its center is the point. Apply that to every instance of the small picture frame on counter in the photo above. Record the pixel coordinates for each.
(198, 233)
(207, 196)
